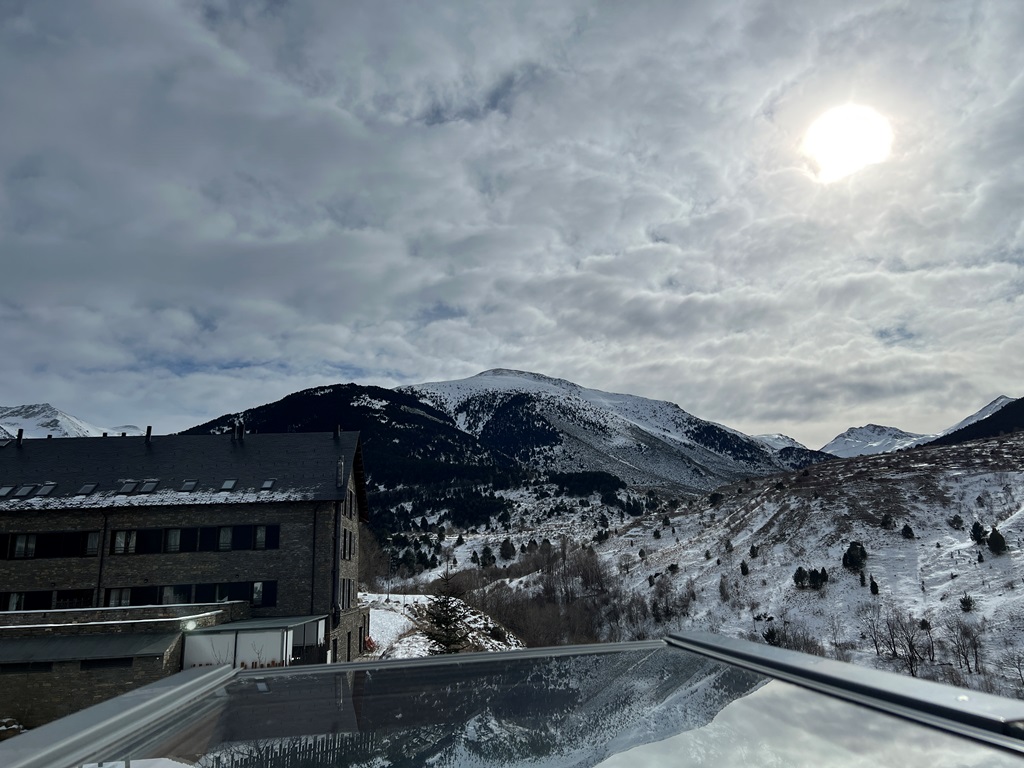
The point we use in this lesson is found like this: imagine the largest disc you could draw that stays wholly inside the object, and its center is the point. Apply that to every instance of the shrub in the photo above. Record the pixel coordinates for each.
(907, 532)
(967, 603)
(744, 568)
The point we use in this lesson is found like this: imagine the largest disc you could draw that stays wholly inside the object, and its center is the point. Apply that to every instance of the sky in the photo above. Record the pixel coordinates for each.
(205, 206)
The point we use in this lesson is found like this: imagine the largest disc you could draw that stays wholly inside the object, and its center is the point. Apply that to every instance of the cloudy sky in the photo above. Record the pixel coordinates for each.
(205, 206)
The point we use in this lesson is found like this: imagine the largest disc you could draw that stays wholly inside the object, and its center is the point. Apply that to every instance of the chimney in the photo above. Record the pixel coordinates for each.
(104, 434)
(124, 434)
(149, 434)
(49, 436)
(21, 434)
(241, 431)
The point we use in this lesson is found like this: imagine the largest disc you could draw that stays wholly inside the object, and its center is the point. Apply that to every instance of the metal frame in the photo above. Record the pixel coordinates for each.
(992, 719)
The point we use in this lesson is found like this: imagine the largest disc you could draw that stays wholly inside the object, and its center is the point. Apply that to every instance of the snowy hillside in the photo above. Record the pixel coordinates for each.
(557, 425)
(680, 566)
(43, 419)
(777, 442)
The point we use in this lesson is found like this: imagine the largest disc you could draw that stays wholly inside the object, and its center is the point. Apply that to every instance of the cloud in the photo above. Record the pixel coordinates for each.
(206, 205)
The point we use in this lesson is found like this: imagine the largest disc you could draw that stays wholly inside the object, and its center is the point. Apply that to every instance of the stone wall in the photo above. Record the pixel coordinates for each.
(36, 698)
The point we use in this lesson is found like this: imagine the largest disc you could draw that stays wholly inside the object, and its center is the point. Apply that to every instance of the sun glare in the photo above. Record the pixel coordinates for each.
(846, 139)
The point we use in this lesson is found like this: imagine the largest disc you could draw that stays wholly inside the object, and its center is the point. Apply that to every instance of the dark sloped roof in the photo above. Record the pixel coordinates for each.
(78, 647)
(310, 466)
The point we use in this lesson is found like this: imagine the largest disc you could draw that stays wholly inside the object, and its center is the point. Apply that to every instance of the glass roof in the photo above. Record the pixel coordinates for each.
(620, 706)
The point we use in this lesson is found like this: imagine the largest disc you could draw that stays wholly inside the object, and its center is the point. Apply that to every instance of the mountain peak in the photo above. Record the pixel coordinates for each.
(511, 373)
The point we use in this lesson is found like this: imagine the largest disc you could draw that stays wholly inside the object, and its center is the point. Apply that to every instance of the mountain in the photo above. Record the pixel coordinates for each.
(5, 435)
(778, 442)
(555, 425)
(43, 419)
(406, 442)
(1003, 416)
(873, 438)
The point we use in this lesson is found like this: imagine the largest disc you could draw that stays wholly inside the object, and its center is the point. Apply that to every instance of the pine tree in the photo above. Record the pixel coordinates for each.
(996, 542)
(800, 577)
(874, 586)
(978, 533)
(446, 618)
(744, 568)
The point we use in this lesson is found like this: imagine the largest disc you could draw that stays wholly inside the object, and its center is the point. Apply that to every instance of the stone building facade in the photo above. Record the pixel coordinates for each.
(268, 520)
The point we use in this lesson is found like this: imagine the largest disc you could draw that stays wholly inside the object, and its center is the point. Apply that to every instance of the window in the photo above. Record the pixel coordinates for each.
(172, 541)
(257, 594)
(119, 596)
(25, 490)
(268, 484)
(92, 543)
(176, 594)
(21, 667)
(5, 490)
(86, 489)
(228, 485)
(25, 545)
(46, 489)
(15, 601)
(74, 598)
(128, 487)
(149, 486)
(189, 485)
(224, 539)
(121, 663)
(260, 537)
(123, 543)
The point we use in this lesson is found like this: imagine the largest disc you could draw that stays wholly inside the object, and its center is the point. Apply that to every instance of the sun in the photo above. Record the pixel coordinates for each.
(846, 139)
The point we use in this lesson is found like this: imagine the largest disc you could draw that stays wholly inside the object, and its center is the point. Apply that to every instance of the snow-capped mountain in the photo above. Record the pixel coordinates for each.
(43, 419)
(777, 442)
(872, 439)
(556, 425)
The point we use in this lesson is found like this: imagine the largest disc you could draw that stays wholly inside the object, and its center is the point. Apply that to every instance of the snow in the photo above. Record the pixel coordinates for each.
(42, 419)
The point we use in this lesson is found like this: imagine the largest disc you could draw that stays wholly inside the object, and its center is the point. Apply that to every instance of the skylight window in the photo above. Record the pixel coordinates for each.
(86, 489)
(228, 485)
(268, 484)
(189, 485)
(25, 490)
(46, 489)
(5, 489)
(149, 486)
(128, 487)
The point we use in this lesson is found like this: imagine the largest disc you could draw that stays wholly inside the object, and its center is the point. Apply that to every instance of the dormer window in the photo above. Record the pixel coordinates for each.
(228, 485)
(268, 484)
(46, 489)
(128, 487)
(149, 486)
(86, 489)
(189, 485)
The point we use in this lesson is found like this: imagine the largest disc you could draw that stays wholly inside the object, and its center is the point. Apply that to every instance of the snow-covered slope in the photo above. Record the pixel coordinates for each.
(43, 419)
(778, 442)
(873, 438)
(557, 425)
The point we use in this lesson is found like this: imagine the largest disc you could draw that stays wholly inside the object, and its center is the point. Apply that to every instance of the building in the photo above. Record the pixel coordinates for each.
(267, 520)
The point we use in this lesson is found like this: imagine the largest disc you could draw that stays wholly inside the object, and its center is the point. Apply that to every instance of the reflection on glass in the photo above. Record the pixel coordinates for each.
(645, 705)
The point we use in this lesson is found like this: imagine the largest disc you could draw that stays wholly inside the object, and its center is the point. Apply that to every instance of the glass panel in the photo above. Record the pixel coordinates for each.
(46, 489)
(149, 486)
(25, 545)
(173, 540)
(189, 485)
(224, 539)
(86, 489)
(643, 705)
(24, 491)
(267, 485)
(228, 485)
(5, 489)
(92, 543)
(128, 487)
